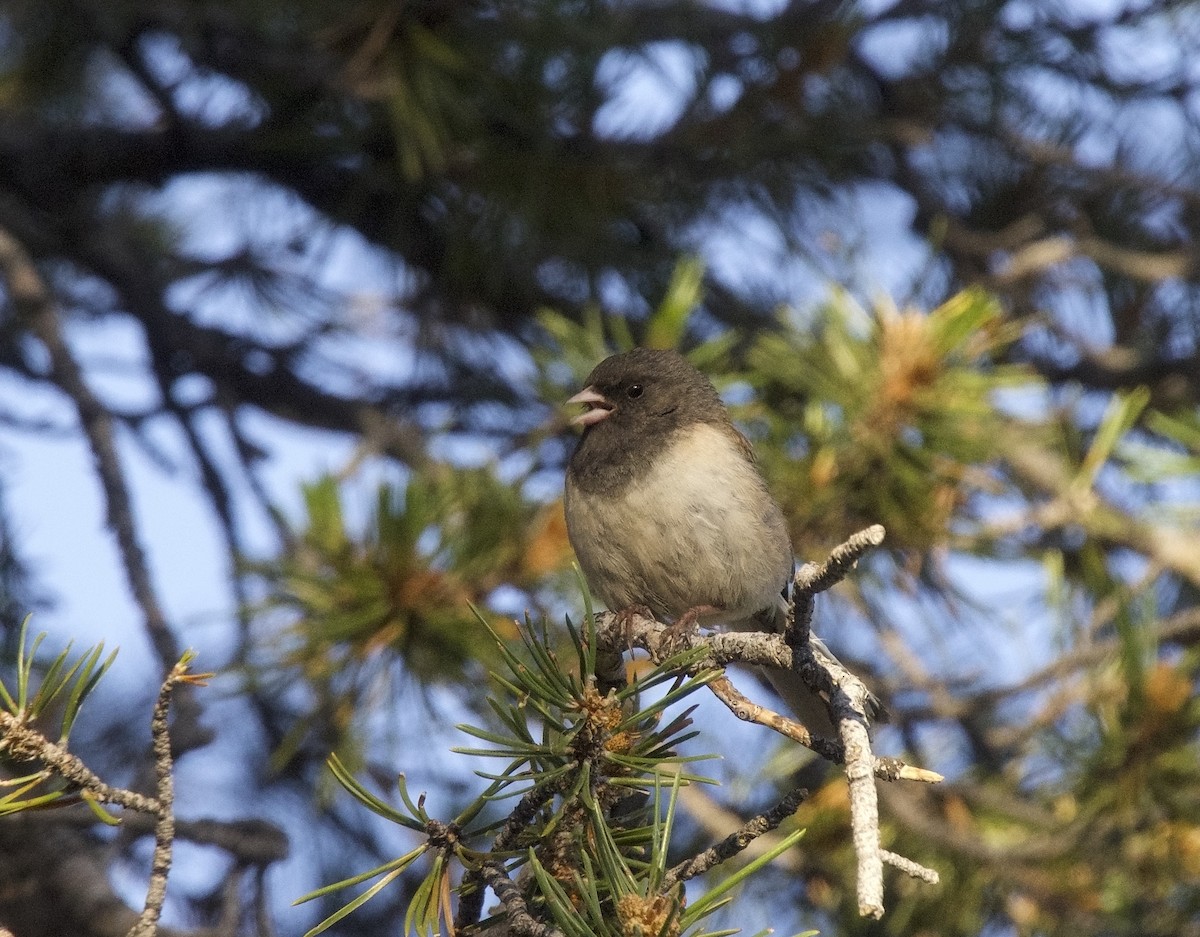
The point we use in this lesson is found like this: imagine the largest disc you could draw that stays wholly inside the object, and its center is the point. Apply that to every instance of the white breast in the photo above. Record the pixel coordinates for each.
(698, 529)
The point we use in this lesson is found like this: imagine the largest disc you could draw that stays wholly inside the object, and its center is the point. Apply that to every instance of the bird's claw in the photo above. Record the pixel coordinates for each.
(675, 636)
(625, 618)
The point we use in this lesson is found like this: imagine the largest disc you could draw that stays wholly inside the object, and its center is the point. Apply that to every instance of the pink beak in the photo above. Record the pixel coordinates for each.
(597, 403)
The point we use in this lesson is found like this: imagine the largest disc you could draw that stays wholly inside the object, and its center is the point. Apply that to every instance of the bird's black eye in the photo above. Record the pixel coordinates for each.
(635, 390)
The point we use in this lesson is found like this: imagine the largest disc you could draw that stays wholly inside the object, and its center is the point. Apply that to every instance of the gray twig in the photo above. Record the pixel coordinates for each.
(517, 919)
(915, 869)
(812, 578)
(164, 827)
(735, 842)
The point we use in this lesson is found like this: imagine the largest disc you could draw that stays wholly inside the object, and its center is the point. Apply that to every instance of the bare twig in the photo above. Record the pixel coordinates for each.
(849, 703)
(735, 842)
(864, 810)
(749, 711)
(812, 578)
(517, 919)
(164, 828)
(23, 742)
(915, 869)
(761, 649)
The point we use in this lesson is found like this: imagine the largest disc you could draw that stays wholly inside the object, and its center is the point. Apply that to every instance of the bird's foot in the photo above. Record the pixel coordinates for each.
(676, 634)
(625, 618)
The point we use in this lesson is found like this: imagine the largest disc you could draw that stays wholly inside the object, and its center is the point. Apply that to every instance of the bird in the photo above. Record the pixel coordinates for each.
(666, 509)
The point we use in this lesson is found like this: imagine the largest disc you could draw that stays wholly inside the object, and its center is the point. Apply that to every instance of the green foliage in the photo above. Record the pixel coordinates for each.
(354, 605)
(595, 779)
(42, 692)
(573, 348)
(880, 418)
(78, 680)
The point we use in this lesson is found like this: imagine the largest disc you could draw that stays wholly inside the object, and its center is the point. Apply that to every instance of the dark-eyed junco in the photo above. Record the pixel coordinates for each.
(667, 509)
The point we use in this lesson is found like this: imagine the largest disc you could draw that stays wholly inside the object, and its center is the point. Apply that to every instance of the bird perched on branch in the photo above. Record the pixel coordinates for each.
(666, 508)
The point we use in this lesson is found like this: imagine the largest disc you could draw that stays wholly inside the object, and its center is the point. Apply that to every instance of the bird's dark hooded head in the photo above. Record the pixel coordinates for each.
(636, 401)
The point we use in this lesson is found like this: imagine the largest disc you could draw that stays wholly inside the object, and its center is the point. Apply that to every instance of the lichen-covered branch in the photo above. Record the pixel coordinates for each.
(164, 827)
(23, 742)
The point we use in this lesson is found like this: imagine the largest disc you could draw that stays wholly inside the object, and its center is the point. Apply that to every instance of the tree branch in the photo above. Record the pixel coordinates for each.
(36, 309)
(735, 842)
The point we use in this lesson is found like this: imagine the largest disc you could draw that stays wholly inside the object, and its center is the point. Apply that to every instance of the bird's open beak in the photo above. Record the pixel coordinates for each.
(598, 407)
